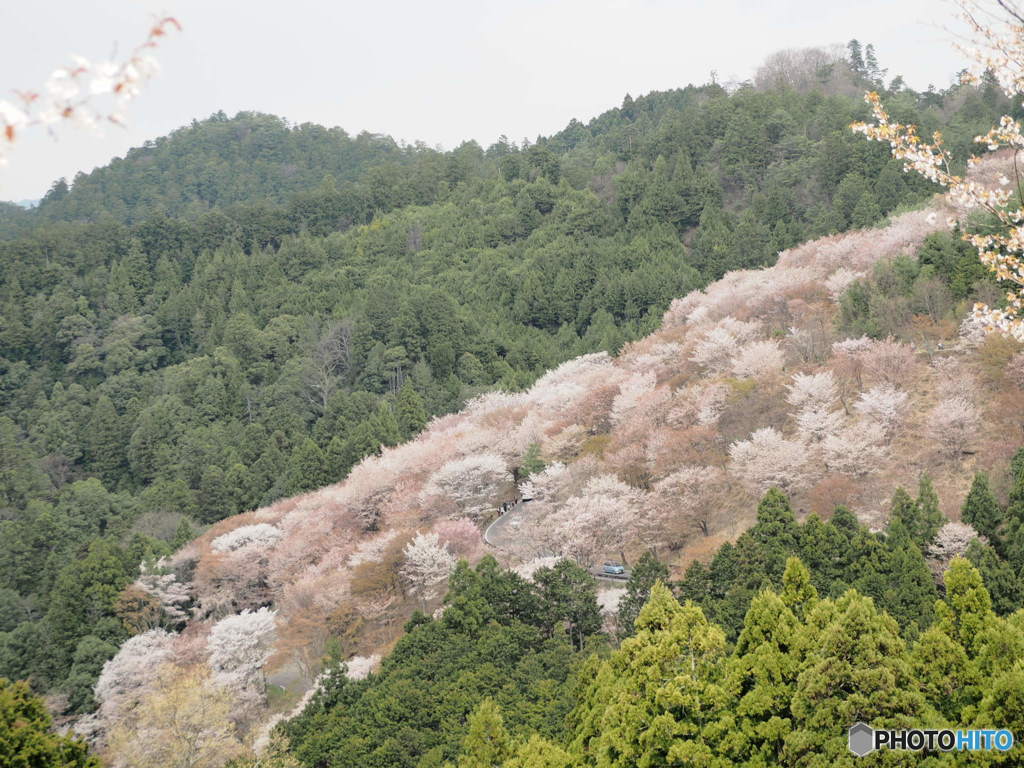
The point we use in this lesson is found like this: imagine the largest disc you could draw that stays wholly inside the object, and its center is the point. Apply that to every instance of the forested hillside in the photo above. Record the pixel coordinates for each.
(245, 311)
(760, 382)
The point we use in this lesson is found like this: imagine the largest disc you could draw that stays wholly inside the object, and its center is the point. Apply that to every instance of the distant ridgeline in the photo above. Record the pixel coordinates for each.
(244, 309)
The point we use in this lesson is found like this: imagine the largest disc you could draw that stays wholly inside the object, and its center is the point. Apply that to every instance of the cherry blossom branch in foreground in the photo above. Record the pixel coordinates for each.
(1002, 54)
(87, 93)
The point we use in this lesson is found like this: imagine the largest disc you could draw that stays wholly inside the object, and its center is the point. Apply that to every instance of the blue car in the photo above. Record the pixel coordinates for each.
(613, 569)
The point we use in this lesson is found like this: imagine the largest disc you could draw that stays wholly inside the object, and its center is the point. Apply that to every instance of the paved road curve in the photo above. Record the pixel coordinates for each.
(503, 532)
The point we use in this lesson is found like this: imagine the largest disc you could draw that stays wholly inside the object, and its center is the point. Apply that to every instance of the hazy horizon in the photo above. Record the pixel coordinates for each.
(451, 72)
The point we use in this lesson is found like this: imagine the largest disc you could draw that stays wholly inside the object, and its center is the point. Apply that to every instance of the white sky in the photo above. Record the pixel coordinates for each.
(440, 71)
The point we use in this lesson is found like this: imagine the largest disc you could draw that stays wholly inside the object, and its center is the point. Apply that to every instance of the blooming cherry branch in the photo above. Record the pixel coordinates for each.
(71, 92)
(1002, 252)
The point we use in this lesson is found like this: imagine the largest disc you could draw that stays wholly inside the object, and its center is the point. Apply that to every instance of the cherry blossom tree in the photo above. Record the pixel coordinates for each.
(996, 48)
(471, 483)
(530, 567)
(631, 392)
(239, 647)
(548, 484)
(954, 380)
(951, 541)
(86, 93)
(815, 395)
(812, 391)
(186, 719)
(767, 459)
(888, 362)
(758, 359)
(125, 680)
(952, 424)
(427, 565)
(699, 404)
(597, 521)
(809, 343)
(814, 425)
(358, 667)
(686, 500)
(856, 450)
(172, 595)
(839, 281)
(715, 351)
(884, 405)
(261, 536)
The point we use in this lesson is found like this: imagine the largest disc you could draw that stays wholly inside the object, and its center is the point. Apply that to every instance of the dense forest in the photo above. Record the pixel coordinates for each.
(244, 309)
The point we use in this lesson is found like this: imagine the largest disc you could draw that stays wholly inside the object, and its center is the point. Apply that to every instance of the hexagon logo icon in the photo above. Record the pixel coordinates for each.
(861, 739)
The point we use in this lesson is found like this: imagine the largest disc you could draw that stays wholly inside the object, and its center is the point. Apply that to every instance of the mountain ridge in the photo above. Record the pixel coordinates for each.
(638, 449)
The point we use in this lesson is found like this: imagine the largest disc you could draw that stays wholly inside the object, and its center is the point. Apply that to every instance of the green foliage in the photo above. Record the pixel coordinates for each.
(645, 706)
(494, 667)
(487, 742)
(26, 736)
(981, 509)
(532, 463)
(785, 692)
(945, 277)
(495, 682)
(642, 577)
(920, 518)
(841, 553)
(569, 593)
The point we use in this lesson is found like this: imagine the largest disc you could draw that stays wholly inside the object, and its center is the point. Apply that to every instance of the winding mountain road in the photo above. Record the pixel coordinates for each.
(506, 529)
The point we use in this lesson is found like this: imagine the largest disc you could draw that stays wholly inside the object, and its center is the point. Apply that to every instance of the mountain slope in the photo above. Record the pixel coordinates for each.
(169, 360)
(745, 386)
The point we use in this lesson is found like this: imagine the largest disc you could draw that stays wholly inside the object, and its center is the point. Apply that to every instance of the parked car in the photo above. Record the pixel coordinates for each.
(613, 569)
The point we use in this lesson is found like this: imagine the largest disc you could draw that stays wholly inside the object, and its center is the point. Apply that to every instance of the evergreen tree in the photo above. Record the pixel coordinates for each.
(1003, 585)
(532, 463)
(216, 498)
(855, 670)
(921, 519)
(410, 411)
(106, 440)
(90, 655)
(798, 593)
(982, 511)
(650, 701)
(776, 532)
(486, 744)
(643, 576)
(866, 212)
(856, 56)
(948, 679)
(183, 534)
(84, 593)
(900, 581)
(966, 611)
(569, 595)
(307, 467)
(539, 753)
(761, 675)
(27, 739)
(931, 517)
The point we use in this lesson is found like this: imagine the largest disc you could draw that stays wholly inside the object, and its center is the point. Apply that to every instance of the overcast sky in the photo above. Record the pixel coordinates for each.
(440, 72)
